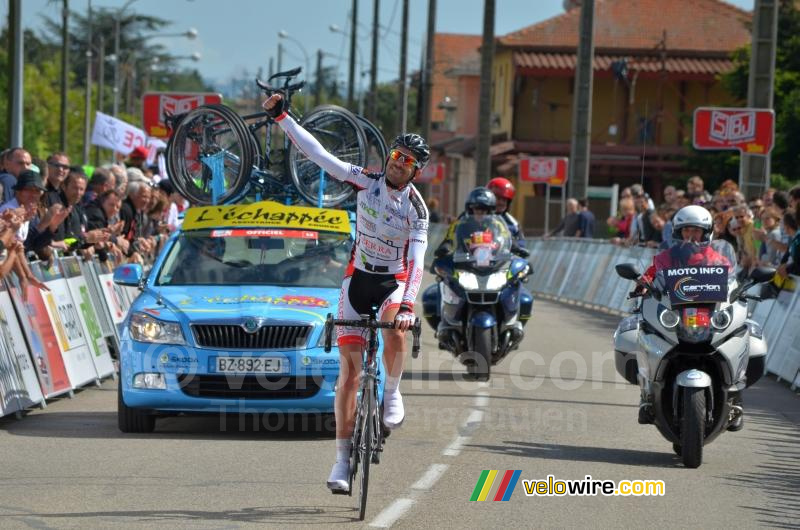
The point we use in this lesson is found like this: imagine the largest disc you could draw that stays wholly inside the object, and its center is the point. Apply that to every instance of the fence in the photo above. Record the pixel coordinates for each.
(56, 340)
(581, 271)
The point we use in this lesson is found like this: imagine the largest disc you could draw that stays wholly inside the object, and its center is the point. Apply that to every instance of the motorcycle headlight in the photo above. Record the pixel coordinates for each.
(669, 319)
(145, 328)
(756, 331)
(628, 324)
(496, 280)
(468, 280)
(721, 319)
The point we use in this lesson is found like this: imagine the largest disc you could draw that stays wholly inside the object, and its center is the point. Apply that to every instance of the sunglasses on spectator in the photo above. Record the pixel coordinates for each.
(406, 160)
(58, 166)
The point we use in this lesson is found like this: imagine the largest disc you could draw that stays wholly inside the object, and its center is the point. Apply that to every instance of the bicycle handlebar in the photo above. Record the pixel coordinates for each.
(370, 323)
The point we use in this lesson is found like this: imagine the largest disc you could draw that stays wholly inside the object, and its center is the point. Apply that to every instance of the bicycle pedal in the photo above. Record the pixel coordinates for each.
(340, 492)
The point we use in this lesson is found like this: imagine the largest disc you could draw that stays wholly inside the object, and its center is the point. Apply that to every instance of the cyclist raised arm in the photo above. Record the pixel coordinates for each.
(385, 268)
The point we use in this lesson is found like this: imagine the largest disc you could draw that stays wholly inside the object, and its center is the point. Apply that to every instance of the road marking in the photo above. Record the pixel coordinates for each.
(392, 513)
(433, 474)
(474, 419)
(482, 400)
(454, 449)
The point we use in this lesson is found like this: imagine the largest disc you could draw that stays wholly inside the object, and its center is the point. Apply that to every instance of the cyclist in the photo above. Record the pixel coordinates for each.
(385, 268)
(504, 193)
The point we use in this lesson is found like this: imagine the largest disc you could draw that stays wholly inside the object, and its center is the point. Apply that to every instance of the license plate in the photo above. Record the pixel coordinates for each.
(251, 365)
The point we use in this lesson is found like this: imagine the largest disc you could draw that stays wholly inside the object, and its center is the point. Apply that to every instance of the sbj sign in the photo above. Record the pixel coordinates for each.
(543, 170)
(155, 104)
(750, 131)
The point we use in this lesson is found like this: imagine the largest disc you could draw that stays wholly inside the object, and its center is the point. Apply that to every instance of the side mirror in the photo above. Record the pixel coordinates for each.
(762, 274)
(627, 271)
(130, 275)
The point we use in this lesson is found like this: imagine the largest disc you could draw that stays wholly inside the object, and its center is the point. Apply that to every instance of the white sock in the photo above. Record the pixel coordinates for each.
(343, 446)
(392, 384)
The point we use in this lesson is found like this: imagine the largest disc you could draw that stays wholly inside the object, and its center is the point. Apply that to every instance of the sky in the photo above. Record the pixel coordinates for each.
(236, 37)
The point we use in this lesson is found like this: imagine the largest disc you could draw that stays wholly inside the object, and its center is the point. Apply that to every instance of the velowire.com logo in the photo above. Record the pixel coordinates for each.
(504, 489)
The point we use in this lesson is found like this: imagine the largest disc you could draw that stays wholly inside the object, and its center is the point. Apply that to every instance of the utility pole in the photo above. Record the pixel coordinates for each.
(351, 75)
(580, 150)
(64, 66)
(373, 73)
(15, 42)
(483, 163)
(318, 88)
(754, 173)
(280, 56)
(402, 119)
(427, 75)
(101, 78)
(87, 119)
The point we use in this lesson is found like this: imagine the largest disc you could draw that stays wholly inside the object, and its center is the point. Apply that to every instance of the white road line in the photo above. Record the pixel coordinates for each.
(392, 513)
(454, 449)
(483, 384)
(482, 400)
(433, 474)
(474, 418)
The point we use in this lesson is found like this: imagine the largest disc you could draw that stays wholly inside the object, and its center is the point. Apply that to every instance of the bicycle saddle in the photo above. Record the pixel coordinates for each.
(288, 73)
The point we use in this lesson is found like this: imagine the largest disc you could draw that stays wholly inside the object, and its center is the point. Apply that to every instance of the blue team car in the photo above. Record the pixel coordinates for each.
(231, 316)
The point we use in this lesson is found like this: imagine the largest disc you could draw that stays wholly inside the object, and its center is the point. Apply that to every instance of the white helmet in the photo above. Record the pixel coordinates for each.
(692, 216)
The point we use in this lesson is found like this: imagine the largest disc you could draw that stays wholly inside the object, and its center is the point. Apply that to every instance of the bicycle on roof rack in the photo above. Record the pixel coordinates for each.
(214, 155)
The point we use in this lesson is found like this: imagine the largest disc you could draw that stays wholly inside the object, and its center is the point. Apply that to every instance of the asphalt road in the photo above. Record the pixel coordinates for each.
(556, 407)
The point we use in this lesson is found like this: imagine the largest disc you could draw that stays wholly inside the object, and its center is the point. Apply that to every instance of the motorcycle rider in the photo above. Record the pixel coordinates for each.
(504, 193)
(692, 234)
(385, 269)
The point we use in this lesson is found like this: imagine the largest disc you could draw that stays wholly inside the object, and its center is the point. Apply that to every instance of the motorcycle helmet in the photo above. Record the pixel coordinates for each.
(416, 144)
(481, 196)
(502, 187)
(693, 215)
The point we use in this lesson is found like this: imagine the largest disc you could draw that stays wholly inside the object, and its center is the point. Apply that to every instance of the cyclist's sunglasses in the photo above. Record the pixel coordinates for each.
(406, 160)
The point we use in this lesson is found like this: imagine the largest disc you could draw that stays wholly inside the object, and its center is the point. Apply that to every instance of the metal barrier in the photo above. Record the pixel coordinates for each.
(57, 340)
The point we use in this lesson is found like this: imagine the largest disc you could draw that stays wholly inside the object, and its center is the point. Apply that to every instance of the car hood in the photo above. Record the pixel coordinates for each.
(198, 303)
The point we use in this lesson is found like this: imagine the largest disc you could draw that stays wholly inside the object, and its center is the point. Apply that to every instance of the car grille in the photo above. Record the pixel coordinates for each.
(483, 298)
(232, 386)
(234, 337)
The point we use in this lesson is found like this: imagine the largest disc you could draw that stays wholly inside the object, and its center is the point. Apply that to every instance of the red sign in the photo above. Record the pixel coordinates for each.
(433, 173)
(155, 104)
(543, 170)
(751, 131)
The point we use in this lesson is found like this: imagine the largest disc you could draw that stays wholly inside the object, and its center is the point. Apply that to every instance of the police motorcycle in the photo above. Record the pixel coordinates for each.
(478, 306)
(691, 348)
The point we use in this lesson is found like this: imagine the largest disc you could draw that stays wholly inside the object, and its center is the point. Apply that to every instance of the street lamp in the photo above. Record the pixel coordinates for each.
(283, 34)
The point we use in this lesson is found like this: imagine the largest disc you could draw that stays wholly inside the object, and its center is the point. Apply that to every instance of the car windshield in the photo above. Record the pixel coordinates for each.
(292, 258)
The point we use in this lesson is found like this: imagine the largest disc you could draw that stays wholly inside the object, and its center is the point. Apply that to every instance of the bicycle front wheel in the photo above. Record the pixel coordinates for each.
(339, 132)
(210, 155)
(366, 446)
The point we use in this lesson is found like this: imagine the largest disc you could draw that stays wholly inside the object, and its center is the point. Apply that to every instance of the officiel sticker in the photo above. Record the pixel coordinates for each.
(262, 232)
(287, 300)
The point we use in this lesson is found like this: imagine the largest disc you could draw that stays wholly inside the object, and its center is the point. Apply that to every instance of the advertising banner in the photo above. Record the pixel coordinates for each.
(99, 301)
(89, 320)
(157, 104)
(115, 298)
(41, 337)
(23, 378)
(749, 131)
(67, 325)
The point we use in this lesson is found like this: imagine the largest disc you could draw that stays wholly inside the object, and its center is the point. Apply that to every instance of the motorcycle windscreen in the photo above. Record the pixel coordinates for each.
(699, 274)
(482, 241)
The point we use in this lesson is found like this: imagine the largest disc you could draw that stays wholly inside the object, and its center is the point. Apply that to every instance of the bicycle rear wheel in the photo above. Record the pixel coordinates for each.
(366, 445)
(339, 132)
(210, 155)
(377, 150)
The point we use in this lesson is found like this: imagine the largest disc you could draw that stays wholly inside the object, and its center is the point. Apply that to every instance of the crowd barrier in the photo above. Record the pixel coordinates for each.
(58, 339)
(581, 271)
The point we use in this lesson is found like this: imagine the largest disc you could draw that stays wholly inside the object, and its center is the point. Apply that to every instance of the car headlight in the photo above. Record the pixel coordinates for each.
(496, 280)
(145, 328)
(721, 319)
(467, 280)
(669, 319)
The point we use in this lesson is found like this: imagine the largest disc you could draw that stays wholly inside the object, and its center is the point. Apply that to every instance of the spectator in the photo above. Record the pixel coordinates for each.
(794, 198)
(767, 197)
(12, 219)
(781, 200)
(102, 181)
(585, 220)
(695, 188)
(721, 221)
(73, 231)
(637, 190)
(665, 212)
(136, 175)
(769, 234)
(670, 194)
(103, 213)
(622, 223)
(569, 224)
(642, 230)
(121, 180)
(57, 171)
(745, 238)
(35, 232)
(790, 262)
(176, 204)
(138, 158)
(134, 213)
(15, 162)
(433, 207)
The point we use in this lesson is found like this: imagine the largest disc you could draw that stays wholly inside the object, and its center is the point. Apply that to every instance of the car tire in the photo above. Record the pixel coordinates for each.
(130, 420)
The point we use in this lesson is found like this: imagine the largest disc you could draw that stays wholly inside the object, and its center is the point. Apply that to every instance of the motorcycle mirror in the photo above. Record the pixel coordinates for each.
(762, 274)
(627, 271)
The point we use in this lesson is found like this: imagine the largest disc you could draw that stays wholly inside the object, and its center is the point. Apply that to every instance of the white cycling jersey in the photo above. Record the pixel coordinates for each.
(391, 224)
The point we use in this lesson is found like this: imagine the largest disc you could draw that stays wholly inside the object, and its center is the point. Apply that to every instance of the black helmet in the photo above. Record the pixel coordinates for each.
(481, 196)
(416, 144)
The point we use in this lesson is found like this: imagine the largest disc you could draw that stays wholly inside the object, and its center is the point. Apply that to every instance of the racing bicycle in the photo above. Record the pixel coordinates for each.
(368, 433)
(215, 157)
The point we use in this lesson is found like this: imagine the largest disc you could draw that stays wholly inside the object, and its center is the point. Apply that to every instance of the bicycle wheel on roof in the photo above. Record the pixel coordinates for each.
(210, 155)
(339, 132)
(377, 151)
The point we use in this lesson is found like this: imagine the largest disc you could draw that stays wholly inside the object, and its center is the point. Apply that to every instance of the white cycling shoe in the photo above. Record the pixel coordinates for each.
(393, 411)
(339, 479)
